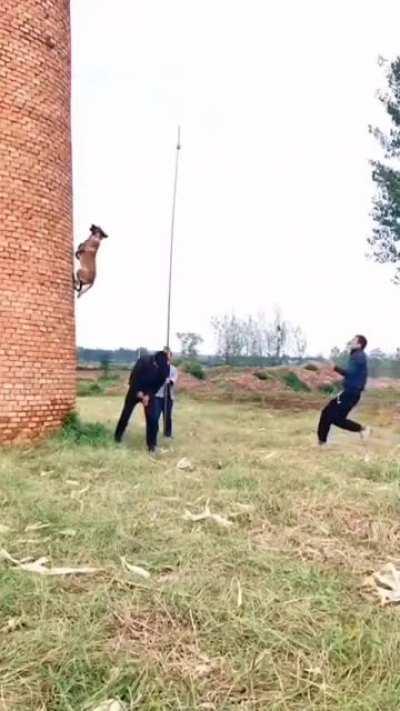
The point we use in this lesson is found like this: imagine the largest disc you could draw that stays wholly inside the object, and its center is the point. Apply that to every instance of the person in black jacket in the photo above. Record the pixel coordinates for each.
(355, 379)
(147, 377)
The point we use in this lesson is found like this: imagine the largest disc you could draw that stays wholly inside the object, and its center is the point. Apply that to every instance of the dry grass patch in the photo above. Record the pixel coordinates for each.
(159, 638)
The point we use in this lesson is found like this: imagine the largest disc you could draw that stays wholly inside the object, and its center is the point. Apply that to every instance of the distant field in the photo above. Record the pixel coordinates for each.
(266, 613)
(282, 388)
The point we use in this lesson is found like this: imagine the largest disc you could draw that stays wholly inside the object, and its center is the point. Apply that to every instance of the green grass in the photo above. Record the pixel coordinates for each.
(330, 388)
(90, 388)
(307, 526)
(293, 382)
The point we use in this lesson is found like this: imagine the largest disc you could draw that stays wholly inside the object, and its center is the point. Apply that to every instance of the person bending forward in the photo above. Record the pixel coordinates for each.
(148, 375)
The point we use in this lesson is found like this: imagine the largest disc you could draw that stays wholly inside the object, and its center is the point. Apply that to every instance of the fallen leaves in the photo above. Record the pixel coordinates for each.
(68, 532)
(111, 705)
(385, 583)
(136, 569)
(185, 465)
(40, 566)
(207, 515)
(240, 594)
(39, 526)
(12, 625)
(269, 455)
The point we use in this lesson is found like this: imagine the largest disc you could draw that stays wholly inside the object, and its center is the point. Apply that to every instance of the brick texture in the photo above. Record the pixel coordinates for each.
(37, 330)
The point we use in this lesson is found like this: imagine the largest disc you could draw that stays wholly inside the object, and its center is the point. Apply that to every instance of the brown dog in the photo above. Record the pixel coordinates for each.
(86, 253)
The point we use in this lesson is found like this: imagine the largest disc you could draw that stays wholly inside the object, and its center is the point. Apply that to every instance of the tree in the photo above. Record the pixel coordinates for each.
(229, 334)
(300, 341)
(189, 342)
(335, 354)
(277, 336)
(377, 354)
(253, 338)
(385, 238)
(105, 363)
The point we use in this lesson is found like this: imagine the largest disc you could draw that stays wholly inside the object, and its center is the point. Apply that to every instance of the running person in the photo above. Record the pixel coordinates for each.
(355, 379)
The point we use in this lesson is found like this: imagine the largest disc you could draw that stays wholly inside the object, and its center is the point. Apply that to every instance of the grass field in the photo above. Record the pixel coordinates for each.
(267, 613)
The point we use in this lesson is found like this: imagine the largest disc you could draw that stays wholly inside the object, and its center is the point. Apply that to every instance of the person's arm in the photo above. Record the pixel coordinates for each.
(341, 371)
(134, 373)
(137, 374)
(173, 375)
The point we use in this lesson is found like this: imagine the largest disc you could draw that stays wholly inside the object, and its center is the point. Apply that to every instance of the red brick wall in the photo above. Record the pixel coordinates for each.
(37, 330)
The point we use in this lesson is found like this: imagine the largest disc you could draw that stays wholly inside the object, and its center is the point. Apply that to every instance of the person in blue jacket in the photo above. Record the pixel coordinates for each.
(355, 379)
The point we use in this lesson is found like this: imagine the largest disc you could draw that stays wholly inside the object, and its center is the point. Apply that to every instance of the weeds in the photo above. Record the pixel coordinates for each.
(76, 432)
(193, 367)
(294, 383)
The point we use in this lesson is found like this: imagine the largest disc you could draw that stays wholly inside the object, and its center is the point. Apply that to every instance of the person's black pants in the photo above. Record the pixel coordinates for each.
(165, 407)
(335, 413)
(151, 414)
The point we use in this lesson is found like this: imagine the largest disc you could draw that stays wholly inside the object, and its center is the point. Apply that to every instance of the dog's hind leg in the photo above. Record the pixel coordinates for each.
(84, 290)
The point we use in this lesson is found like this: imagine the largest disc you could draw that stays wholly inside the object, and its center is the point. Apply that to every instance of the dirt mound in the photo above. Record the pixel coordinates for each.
(294, 388)
(266, 387)
(316, 379)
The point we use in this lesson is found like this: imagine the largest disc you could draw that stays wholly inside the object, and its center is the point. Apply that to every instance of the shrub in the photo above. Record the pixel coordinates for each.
(262, 375)
(311, 366)
(193, 367)
(86, 389)
(293, 381)
(108, 381)
(105, 364)
(75, 431)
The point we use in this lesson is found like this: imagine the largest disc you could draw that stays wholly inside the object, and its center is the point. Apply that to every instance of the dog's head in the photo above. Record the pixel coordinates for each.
(95, 230)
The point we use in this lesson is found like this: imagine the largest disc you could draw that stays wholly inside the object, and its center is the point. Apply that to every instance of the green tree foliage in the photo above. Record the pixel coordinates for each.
(385, 238)
(189, 342)
(193, 367)
(120, 356)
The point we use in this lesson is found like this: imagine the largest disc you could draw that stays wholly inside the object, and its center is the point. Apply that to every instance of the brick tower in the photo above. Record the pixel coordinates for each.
(37, 330)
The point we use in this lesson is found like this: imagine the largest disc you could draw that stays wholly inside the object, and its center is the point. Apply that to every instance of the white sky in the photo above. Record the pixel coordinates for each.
(274, 98)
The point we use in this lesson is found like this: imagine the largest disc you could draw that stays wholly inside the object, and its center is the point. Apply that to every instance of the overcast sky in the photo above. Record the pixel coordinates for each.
(274, 98)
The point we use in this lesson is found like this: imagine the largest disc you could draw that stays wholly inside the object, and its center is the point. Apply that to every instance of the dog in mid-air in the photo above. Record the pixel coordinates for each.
(86, 254)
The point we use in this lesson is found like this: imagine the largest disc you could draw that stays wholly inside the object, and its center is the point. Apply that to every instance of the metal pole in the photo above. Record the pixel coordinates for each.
(171, 251)
(171, 255)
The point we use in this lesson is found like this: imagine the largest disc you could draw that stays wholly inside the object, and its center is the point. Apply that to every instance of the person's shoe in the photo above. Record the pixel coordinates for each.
(322, 444)
(365, 434)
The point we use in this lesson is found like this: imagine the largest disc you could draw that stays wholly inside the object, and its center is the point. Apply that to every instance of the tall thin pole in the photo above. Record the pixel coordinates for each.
(171, 259)
(171, 251)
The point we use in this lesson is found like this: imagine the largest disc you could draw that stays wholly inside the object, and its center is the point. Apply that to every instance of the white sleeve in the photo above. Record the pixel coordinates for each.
(173, 374)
